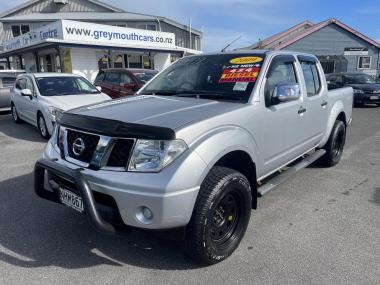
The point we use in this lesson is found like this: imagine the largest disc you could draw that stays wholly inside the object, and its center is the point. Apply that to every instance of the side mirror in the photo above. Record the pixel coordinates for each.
(26, 92)
(99, 88)
(285, 93)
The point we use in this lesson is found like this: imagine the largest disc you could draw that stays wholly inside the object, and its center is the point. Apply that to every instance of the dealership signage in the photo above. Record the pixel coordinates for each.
(93, 34)
(356, 51)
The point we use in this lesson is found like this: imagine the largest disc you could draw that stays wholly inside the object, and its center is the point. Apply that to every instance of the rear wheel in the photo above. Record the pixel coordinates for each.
(15, 116)
(41, 124)
(220, 217)
(334, 146)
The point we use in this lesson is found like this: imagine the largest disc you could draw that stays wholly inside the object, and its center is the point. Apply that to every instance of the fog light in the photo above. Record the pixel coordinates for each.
(144, 215)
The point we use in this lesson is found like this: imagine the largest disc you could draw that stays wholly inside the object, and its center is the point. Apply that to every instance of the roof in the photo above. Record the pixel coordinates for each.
(31, 2)
(133, 70)
(53, 74)
(284, 39)
(93, 16)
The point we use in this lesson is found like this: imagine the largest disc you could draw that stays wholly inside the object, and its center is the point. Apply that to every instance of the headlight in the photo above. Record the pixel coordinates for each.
(55, 112)
(154, 155)
(358, 91)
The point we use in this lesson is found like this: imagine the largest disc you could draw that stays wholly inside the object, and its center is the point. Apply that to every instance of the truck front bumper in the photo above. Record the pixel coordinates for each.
(131, 192)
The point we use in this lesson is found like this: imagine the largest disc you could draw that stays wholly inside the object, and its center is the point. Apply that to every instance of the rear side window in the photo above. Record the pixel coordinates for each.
(125, 79)
(100, 76)
(112, 78)
(311, 75)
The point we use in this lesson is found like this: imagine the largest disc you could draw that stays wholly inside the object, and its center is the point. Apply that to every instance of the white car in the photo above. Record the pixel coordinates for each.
(38, 98)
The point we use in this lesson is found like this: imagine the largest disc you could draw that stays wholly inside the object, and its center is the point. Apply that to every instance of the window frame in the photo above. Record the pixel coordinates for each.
(309, 62)
(370, 62)
(281, 59)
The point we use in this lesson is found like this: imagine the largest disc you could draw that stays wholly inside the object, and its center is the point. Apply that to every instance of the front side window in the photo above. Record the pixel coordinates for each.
(358, 79)
(61, 85)
(125, 79)
(223, 76)
(20, 84)
(281, 72)
(312, 80)
(364, 62)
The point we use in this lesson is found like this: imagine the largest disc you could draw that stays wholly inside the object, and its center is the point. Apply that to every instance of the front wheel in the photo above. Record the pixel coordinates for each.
(41, 124)
(334, 146)
(220, 217)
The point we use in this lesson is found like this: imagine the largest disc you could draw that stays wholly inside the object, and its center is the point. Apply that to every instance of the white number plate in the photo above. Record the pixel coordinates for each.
(70, 199)
(374, 97)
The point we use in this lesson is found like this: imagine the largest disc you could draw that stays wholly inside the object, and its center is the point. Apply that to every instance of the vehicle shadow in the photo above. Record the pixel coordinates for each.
(21, 131)
(366, 106)
(38, 233)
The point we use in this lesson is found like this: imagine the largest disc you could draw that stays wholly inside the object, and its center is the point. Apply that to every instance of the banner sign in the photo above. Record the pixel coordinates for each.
(356, 51)
(93, 34)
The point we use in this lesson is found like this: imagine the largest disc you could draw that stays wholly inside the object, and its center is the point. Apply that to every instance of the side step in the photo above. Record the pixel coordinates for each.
(270, 184)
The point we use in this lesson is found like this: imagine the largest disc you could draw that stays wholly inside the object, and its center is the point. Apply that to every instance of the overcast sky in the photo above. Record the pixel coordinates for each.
(223, 20)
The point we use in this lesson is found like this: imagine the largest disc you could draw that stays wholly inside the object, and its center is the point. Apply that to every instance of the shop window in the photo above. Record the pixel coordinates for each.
(49, 63)
(118, 62)
(18, 30)
(364, 62)
(134, 61)
(103, 63)
(147, 62)
(150, 27)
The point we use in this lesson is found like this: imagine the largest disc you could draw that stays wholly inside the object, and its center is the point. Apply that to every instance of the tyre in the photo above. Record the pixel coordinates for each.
(334, 146)
(41, 125)
(220, 216)
(15, 116)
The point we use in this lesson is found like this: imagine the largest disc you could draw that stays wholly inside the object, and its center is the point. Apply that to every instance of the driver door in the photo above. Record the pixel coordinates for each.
(282, 123)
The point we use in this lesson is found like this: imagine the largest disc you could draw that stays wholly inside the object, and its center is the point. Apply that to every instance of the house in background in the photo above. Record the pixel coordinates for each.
(338, 47)
(36, 19)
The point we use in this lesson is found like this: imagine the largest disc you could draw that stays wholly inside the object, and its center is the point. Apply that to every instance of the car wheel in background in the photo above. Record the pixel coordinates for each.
(334, 146)
(220, 216)
(41, 124)
(15, 116)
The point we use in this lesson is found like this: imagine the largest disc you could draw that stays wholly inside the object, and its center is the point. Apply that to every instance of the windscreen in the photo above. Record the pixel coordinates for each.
(60, 86)
(222, 76)
(144, 77)
(358, 79)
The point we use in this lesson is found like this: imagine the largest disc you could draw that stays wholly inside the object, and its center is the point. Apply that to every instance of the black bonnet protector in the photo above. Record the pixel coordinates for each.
(115, 128)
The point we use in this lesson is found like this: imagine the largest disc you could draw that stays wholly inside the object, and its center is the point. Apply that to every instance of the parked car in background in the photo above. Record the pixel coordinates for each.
(7, 79)
(121, 82)
(366, 88)
(40, 98)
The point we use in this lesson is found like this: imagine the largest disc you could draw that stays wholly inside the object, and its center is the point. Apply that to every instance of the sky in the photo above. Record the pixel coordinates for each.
(221, 21)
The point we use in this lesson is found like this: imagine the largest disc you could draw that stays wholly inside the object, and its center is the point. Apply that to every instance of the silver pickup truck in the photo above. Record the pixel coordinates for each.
(196, 148)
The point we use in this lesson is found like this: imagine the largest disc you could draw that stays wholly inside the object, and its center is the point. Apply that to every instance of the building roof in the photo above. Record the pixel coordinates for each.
(304, 29)
(31, 2)
(93, 16)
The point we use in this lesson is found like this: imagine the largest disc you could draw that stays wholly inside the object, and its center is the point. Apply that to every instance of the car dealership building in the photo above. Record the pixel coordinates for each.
(84, 36)
(339, 47)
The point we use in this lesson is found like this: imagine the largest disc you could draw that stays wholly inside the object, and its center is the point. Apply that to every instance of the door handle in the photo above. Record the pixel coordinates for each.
(301, 110)
(324, 103)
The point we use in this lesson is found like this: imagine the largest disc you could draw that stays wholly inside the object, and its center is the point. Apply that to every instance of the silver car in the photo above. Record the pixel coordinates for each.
(7, 79)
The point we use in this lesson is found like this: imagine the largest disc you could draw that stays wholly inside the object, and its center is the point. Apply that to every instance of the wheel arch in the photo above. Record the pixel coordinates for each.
(242, 162)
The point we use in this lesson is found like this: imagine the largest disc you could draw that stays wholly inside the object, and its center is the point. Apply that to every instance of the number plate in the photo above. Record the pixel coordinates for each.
(70, 199)
(374, 97)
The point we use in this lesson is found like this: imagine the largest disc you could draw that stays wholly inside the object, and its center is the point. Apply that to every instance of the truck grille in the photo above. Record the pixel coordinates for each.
(120, 153)
(90, 142)
(99, 152)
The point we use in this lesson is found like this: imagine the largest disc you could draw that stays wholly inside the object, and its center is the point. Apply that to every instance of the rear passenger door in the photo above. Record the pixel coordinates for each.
(112, 84)
(316, 100)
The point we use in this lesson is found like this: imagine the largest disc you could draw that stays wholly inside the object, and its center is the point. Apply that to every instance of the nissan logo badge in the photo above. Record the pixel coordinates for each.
(78, 146)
